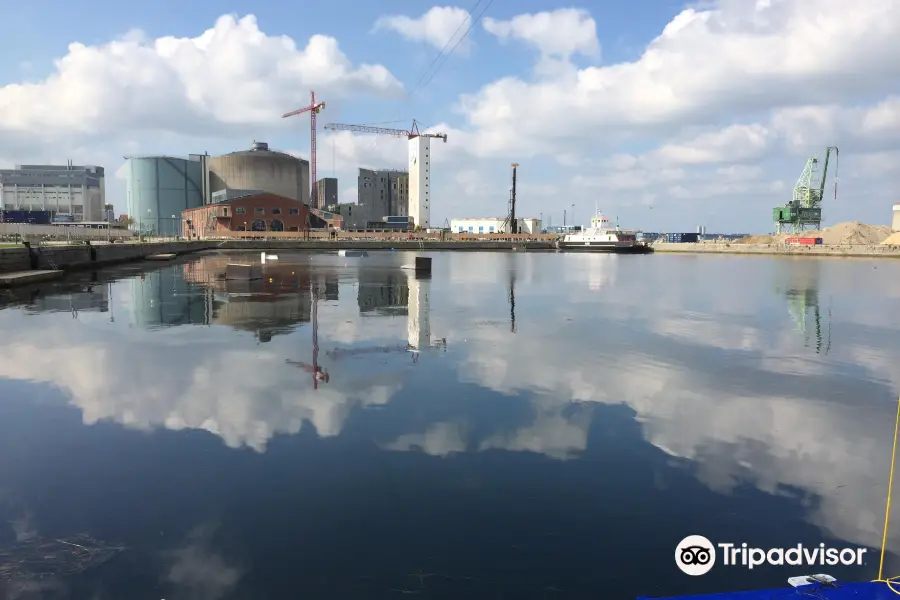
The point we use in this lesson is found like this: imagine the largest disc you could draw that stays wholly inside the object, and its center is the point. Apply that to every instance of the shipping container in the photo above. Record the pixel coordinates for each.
(33, 217)
(803, 241)
(682, 238)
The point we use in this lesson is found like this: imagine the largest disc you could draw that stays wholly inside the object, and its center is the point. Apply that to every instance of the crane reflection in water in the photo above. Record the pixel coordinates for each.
(802, 293)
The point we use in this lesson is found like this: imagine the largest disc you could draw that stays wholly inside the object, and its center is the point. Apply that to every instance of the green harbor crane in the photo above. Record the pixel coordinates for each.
(804, 211)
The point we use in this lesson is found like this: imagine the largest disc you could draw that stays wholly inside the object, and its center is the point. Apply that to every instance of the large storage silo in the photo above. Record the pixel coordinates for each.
(261, 169)
(158, 188)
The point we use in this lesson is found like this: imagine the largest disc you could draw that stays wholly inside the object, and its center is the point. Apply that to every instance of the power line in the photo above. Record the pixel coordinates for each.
(474, 22)
(449, 41)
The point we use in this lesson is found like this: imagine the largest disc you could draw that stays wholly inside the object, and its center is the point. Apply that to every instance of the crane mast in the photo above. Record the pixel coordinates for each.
(313, 110)
(804, 211)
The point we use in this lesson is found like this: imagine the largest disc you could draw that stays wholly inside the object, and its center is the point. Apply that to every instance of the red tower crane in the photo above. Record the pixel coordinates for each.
(313, 109)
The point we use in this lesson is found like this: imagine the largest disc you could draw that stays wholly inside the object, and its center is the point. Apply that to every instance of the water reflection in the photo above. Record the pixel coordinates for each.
(87, 297)
(639, 390)
(383, 291)
(800, 286)
(164, 297)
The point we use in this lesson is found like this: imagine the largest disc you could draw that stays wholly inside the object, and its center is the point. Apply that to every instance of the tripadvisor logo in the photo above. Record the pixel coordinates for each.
(696, 555)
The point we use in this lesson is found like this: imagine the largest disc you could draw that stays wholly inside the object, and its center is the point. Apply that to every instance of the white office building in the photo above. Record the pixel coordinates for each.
(493, 225)
(64, 190)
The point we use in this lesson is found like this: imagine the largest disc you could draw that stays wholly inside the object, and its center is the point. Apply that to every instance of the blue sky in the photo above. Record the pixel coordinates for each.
(704, 112)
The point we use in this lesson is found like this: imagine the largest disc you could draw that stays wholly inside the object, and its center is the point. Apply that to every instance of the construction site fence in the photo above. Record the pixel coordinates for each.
(376, 235)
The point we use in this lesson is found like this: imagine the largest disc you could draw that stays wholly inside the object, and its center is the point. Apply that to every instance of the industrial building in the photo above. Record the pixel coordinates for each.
(159, 188)
(895, 223)
(260, 168)
(70, 190)
(494, 225)
(385, 191)
(253, 212)
(380, 193)
(326, 192)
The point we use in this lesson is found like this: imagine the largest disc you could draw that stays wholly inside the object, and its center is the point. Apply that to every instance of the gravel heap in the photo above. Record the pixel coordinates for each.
(851, 232)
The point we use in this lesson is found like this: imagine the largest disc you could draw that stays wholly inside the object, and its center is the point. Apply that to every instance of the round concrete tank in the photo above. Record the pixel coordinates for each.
(261, 169)
(158, 188)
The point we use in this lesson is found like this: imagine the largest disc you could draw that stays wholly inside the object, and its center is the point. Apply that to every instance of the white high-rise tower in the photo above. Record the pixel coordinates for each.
(420, 180)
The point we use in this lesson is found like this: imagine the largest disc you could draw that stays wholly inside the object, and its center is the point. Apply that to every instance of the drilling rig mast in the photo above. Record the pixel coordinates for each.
(804, 211)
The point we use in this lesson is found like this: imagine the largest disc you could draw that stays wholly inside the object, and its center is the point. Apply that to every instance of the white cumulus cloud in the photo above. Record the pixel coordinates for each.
(556, 34)
(232, 74)
(440, 26)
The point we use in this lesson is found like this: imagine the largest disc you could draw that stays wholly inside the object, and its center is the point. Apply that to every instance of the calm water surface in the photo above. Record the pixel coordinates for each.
(517, 426)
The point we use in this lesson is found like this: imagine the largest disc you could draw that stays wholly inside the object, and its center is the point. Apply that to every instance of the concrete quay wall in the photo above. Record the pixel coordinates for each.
(85, 257)
(855, 250)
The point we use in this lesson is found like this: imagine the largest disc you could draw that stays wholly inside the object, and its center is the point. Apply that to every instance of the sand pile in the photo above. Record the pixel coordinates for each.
(893, 239)
(851, 232)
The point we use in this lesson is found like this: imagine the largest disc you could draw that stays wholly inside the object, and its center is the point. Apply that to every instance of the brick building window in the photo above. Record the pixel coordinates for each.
(239, 210)
(293, 211)
(259, 210)
(276, 211)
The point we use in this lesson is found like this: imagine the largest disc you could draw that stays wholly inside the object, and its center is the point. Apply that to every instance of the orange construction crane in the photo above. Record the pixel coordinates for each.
(313, 109)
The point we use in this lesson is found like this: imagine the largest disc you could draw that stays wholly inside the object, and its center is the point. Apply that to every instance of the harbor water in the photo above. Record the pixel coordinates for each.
(522, 425)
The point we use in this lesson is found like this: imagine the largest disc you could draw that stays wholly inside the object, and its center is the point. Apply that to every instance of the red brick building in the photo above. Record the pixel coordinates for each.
(258, 212)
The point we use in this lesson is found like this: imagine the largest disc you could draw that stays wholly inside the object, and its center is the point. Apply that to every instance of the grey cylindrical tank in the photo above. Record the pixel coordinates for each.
(261, 169)
(157, 190)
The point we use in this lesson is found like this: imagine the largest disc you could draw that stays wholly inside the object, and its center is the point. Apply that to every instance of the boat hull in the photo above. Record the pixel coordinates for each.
(608, 247)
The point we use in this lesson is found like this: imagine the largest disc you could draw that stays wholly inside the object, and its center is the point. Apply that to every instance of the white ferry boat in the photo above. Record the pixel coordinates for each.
(603, 236)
